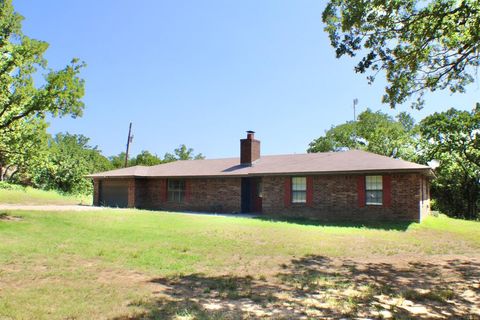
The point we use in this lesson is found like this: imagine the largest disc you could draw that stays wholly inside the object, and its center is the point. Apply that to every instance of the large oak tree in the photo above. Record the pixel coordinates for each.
(453, 138)
(21, 61)
(420, 45)
(25, 103)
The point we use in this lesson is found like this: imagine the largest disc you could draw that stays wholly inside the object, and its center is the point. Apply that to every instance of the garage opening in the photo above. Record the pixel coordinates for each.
(113, 193)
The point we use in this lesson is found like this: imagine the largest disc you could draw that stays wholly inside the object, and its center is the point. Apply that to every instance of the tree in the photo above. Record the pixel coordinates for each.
(373, 131)
(118, 161)
(420, 45)
(21, 60)
(182, 153)
(22, 148)
(453, 138)
(145, 158)
(69, 160)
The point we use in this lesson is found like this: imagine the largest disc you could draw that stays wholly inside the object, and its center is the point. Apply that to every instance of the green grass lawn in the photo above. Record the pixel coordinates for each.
(28, 195)
(127, 263)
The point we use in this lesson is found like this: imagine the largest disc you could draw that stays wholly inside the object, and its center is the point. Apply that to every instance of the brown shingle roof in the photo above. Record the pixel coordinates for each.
(314, 163)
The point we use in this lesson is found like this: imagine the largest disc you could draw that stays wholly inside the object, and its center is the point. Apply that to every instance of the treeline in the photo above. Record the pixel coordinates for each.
(452, 138)
(61, 162)
(145, 158)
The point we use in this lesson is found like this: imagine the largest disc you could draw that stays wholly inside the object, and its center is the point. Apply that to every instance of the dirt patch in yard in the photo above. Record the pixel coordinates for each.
(310, 287)
(437, 287)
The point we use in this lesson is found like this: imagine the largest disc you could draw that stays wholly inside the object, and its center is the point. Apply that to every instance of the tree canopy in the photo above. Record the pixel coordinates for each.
(69, 159)
(22, 147)
(23, 104)
(182, 153)
(146, 158)
(373, 131)
(453, 138)
(419, 45)
(21, 60)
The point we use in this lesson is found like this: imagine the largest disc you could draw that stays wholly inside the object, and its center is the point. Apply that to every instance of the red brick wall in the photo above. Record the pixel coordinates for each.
(335, 197)
(96, 192)
(249, 150)
(131, 193)
(203, 194)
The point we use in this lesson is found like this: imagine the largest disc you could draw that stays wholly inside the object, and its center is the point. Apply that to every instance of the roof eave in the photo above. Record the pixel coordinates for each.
(426, 171)
(112, 177)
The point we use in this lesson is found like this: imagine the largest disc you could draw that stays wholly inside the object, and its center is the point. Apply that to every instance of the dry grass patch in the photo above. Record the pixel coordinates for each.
(72, 288)
(320, 287)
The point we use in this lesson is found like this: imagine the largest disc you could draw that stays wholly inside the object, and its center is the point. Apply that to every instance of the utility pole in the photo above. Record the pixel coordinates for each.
(129, 140)
(355, 102)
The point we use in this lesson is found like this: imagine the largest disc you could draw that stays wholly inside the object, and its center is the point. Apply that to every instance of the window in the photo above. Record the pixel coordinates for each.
(176, 190)
(374, 190)
(299, 189)
(259, 188)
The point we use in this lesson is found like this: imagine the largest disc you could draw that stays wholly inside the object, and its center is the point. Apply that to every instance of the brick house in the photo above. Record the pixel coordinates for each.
(350, 185)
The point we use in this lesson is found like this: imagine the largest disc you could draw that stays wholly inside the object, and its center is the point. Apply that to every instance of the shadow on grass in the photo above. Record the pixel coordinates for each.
(319, 287)
(5, 216)
(382, 225)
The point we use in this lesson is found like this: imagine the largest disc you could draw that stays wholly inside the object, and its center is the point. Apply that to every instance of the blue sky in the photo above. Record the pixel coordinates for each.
(201, 73)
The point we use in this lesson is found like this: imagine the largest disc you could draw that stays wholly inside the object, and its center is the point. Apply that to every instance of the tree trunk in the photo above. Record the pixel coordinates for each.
(472, 198)
(2, 173)
(5, 176)
(12, 174)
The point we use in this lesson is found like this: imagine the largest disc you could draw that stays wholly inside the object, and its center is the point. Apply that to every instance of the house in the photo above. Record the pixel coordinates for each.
(350, 185)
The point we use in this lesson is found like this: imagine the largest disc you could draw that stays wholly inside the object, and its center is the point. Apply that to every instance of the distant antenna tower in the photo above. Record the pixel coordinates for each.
(129, 140)
(355, 102)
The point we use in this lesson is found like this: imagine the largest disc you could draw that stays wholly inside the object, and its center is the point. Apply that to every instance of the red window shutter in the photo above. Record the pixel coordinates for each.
(361, 191)
(187, 190)
(310, 191)
(387, 191)
(163, 190)
(288, 192)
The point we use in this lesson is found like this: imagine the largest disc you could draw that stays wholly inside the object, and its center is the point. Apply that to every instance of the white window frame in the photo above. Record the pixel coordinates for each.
(299, 189)
(374, 190)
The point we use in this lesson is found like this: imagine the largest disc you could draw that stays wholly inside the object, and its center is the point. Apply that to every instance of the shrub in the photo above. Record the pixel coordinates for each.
(10, 186)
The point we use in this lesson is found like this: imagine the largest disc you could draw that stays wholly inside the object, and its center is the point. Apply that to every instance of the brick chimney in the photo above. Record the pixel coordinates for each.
(249, 149)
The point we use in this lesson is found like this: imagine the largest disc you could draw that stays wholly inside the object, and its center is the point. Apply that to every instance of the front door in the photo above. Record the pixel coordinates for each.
(252, 195)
